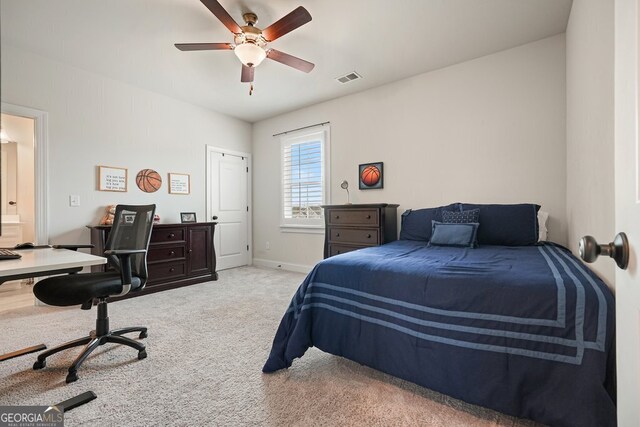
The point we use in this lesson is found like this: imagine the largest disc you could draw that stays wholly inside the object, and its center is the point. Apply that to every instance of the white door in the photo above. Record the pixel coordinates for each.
(627, 163)
(229, 207)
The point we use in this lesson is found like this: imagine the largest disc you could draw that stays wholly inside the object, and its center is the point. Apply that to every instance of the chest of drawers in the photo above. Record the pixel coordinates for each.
(179, 254)
(351, 227)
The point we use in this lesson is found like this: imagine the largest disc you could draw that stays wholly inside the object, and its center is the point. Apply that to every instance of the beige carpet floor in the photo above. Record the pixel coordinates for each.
(207, 344)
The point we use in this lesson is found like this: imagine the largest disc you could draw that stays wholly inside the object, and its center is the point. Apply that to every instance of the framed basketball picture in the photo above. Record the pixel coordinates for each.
(370, 176)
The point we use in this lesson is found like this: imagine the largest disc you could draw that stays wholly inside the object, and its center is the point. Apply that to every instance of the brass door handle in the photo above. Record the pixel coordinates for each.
(590, 250)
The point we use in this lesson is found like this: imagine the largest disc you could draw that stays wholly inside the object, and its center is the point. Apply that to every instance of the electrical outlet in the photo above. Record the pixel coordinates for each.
(74, 200)
(268, 246)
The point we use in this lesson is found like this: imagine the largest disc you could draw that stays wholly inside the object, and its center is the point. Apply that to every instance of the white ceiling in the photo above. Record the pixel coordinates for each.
(383, 40)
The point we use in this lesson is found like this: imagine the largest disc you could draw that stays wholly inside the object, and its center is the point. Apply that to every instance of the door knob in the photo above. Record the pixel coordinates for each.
(214, 217)
(590, 250)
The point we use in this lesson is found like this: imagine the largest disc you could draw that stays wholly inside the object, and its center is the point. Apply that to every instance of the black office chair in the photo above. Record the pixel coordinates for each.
(126, 249)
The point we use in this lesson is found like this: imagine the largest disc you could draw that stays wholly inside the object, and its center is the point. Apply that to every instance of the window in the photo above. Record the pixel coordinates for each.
(305, 174)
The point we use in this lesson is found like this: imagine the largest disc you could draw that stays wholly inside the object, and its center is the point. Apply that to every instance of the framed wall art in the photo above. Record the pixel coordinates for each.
(112, 179)
(370, 176)
(179, 183)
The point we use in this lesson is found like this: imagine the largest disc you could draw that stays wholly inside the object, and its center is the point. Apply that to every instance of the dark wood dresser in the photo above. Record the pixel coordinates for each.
(351, 227)
(179, 255)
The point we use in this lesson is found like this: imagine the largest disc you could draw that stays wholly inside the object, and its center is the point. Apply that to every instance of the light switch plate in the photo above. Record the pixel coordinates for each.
(74, 200)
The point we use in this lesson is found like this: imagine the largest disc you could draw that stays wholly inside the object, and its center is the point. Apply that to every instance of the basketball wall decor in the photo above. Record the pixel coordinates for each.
(370, 176)
(148, 180)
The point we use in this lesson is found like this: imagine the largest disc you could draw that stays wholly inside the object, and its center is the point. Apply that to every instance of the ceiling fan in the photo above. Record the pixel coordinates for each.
(250, 42)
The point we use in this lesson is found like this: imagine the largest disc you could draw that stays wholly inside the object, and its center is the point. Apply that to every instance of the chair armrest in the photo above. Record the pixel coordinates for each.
(125, 266)
(123, 252)
(73, 247)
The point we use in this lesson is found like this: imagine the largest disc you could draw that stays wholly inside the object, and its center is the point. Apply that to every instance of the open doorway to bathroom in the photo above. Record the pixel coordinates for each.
(17, 198)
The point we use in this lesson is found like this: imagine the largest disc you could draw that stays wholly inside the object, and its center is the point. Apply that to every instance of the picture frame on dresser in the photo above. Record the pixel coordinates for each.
(188, 217)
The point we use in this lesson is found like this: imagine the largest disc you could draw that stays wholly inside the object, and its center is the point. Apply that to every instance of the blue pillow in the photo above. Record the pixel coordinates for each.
(416, 225)
(507, 225)
(461, 217)
(459, 235)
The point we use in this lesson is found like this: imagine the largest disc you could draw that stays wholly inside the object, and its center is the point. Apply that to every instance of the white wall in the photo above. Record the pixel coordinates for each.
(590, 133)
(94, 121)
(487, 130)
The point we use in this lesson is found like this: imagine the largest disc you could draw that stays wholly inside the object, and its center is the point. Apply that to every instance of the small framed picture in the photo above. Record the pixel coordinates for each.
(129, 218)
(370, 176)
(187, 217)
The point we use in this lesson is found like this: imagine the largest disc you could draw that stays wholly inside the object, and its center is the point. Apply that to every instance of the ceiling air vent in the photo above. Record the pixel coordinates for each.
(349, 77)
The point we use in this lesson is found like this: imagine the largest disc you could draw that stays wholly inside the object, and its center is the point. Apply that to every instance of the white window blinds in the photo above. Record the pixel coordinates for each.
(304, 176)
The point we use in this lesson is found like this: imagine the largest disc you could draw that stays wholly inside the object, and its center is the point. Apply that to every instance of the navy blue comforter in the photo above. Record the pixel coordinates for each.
(527, 331)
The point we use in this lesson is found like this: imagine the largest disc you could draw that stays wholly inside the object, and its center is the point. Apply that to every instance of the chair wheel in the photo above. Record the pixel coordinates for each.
(142, 354)
(71, 377)
(143, 335)
(39, 364)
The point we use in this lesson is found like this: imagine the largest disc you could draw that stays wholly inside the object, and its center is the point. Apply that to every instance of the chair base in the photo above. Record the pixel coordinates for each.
(100, 336)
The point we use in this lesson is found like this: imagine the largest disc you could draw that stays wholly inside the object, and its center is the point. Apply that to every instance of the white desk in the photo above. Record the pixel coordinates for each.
(43, 262)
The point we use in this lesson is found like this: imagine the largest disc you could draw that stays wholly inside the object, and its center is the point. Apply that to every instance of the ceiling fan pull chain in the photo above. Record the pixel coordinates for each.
(251, 89)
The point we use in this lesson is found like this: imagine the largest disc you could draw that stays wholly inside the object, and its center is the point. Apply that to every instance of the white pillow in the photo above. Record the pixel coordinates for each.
(543, 217)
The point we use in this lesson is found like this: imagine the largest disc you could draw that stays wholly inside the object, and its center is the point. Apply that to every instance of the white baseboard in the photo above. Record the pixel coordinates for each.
(298, 268)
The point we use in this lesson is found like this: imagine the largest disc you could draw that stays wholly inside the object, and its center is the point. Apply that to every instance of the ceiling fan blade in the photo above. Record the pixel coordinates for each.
(288, 23)
(247, 74)
(204, 46)
(224, 17)
(290, 60)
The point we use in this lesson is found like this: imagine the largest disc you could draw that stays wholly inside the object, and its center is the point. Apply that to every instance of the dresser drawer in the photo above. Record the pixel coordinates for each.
(164, 271)
(367, 236)
(166, 253)
(342, 249)
(354, 217)
(164, 235)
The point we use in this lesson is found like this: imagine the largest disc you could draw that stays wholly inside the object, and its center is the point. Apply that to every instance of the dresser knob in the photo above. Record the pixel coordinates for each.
(337, 234)
(368, 236)
(172, 269)
(171, 235)
(172, 253)
(337, 216)
(368, 216)
(190, 250)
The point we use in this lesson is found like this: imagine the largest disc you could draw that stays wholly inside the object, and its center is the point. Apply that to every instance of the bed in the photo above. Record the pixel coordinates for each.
(524, 330)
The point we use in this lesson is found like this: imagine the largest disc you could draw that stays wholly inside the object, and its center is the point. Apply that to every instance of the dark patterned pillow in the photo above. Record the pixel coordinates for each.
(461, 217)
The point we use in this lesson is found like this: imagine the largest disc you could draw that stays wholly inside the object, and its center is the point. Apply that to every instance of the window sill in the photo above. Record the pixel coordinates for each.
(304, 229)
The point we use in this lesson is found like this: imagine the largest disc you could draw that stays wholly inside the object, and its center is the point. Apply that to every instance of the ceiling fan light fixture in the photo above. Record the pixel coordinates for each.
(250, 54)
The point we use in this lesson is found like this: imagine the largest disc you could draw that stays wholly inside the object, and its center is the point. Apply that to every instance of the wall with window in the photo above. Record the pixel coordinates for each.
(487, 130)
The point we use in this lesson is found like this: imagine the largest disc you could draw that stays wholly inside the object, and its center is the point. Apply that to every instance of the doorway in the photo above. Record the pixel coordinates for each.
(17, 198)
(30, 206)
(17, 174)
(228, 204)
